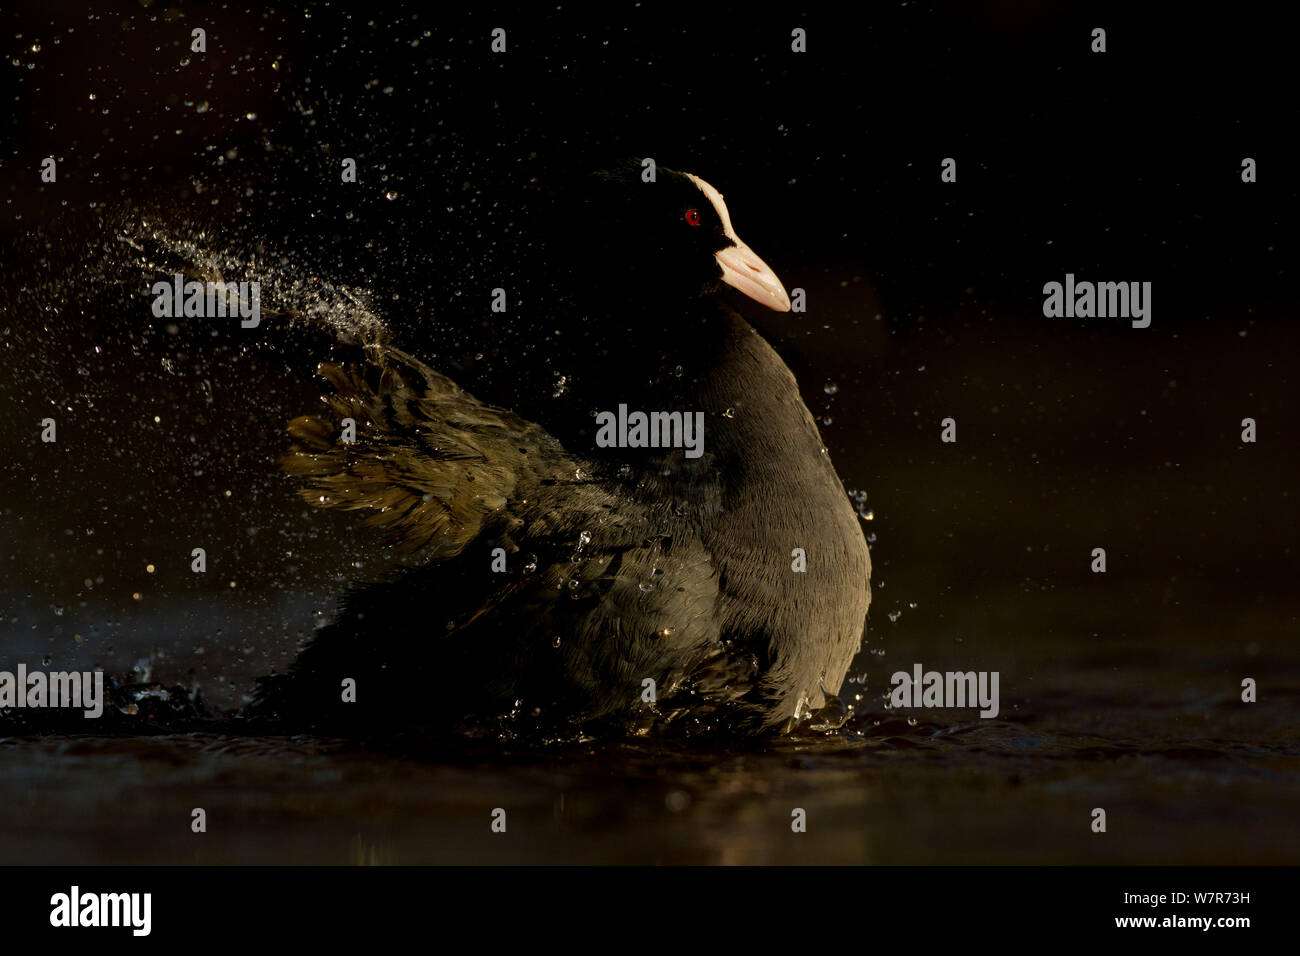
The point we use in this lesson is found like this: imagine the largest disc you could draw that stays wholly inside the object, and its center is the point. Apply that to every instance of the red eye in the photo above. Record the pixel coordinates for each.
(692, 217)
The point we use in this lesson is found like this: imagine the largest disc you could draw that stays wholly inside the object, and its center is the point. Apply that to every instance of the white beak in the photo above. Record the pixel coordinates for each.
(743, 270)
(741, 267)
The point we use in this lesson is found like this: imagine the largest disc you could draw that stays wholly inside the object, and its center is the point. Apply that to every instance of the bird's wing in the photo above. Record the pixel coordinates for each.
(432, 465)
(603, 587)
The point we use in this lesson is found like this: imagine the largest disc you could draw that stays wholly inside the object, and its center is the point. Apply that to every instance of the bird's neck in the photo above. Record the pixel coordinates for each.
(761, 422)
(713, 367)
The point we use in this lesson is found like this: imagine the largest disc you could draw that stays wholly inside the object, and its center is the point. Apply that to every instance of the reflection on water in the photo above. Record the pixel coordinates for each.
(1188, 789)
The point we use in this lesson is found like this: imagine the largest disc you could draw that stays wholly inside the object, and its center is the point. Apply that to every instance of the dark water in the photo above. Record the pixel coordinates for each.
(962, 794)
(1186, 775)
(1120, 691)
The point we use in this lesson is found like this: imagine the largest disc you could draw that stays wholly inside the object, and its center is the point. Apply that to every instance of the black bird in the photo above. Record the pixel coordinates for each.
(563, 574)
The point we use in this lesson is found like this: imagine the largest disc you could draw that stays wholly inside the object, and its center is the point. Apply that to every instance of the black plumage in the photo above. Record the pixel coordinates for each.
(622, 565)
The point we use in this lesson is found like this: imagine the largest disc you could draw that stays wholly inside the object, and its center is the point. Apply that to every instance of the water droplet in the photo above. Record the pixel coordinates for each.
(830, 388)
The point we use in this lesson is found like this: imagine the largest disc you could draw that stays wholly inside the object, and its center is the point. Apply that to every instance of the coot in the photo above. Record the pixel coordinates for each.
(666, 542)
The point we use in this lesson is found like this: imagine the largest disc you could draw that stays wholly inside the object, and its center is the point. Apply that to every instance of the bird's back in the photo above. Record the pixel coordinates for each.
(549, 582)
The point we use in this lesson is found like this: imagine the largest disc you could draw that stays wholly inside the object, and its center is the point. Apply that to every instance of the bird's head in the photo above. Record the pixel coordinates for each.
(674, 236)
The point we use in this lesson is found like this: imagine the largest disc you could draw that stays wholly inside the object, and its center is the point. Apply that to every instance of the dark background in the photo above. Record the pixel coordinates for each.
(1119, 690)
(925, 302)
